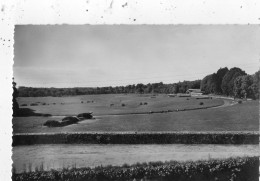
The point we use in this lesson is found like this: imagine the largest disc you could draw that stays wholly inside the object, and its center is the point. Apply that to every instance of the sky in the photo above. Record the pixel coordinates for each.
(115, 55)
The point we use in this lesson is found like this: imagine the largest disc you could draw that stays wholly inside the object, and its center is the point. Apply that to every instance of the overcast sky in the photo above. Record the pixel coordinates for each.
(104, 55)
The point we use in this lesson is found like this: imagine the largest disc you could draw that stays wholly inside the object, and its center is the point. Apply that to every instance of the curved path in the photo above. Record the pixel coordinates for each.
(227, 103)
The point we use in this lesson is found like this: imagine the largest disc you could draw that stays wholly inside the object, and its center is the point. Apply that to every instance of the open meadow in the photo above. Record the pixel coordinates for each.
(123, 113)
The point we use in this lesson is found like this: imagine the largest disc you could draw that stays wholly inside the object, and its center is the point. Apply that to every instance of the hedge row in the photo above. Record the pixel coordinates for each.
(242, 169)
(138, 138)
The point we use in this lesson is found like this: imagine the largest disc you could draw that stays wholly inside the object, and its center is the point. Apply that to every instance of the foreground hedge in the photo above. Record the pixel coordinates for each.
(138, 138)
(241, 169)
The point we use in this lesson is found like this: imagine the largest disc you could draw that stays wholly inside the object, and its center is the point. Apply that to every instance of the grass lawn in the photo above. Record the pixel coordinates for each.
(111, 104)
(240, 117)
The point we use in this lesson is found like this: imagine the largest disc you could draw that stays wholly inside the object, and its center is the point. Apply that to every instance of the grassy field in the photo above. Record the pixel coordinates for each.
(111, 104)
(240, 117)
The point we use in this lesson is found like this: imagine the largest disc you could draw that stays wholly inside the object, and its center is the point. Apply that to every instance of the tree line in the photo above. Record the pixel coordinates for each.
(154, 88)
(234, 82)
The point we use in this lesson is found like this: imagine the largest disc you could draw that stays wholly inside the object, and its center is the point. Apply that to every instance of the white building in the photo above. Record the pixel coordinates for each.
(194, 92)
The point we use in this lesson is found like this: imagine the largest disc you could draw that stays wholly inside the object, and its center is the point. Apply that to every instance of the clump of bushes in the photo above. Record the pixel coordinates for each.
(33, 104)
(85, 116)
(65, 121)
(145, 103)
(23, 104)
(123, 105)
(69, 120)
(201, 103)
(239, 101)
(245, 168)
(141, 103)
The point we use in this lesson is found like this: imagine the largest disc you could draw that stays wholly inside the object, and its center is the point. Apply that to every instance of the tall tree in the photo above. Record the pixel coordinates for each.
(15, 95)
(208, 84)
(227, 85)
(219, 77)
(255, 85)
(243, 86)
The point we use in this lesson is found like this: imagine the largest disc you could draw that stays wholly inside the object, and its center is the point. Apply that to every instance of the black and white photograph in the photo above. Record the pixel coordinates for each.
(136, 102)
(117, 90)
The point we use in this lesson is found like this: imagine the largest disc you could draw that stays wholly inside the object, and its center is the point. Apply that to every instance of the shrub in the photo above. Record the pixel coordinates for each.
(85, 116)
(123, 105)
(82, 102)
(239, 101)
(201, 103)
(33, 104)
(145, 103)
(23, 104)
(141, 103)
(69, 120)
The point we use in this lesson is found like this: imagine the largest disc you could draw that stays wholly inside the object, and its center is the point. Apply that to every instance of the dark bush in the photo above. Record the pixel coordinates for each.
(23, 104)
(82, 102)
(33, 104)
(43, 104)
(240, 102)
(52, 123)
(145, 103)
(201, 103)
(85, 116)
(123, 105)
(69, 120)
(141, 103)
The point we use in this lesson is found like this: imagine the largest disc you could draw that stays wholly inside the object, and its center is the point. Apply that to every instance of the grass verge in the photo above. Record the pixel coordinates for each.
(245, 168)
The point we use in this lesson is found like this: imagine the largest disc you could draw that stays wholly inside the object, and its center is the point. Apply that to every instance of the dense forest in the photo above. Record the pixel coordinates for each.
(234, 82)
